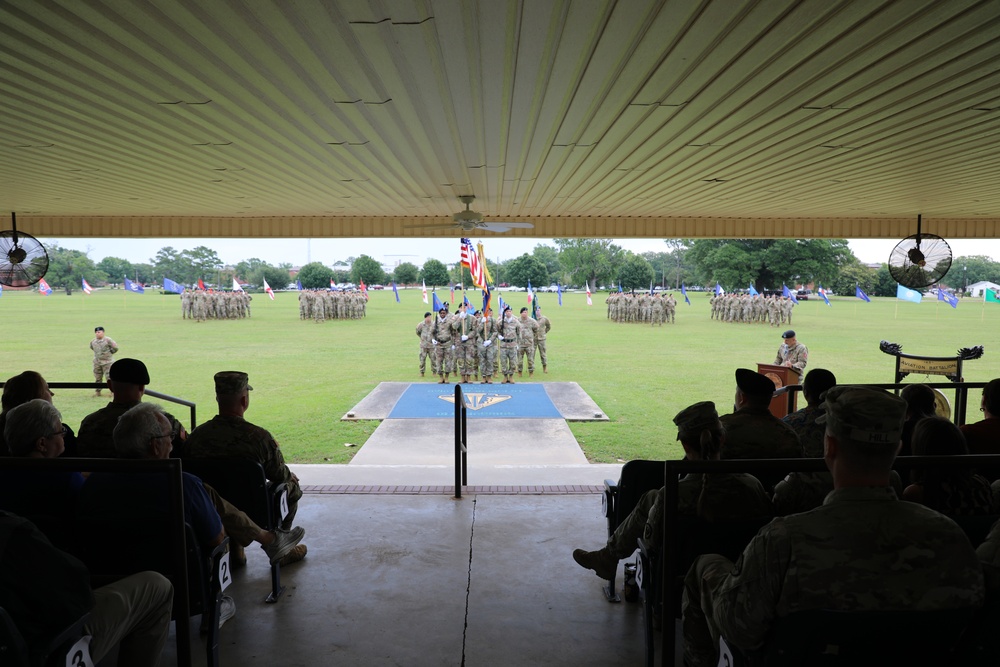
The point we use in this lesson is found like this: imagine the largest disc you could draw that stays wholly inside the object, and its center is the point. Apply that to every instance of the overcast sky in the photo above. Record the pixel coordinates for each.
(393, 251)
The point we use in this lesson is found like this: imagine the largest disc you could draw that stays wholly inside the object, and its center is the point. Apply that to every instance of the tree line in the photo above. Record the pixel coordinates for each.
(573, 263)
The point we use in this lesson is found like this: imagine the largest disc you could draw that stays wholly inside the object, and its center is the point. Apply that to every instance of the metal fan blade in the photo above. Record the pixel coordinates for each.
(433, 225)
(505, 226)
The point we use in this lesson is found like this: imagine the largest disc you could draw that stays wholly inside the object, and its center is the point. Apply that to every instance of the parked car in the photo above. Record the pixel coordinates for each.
(377, 287)
(803, 294)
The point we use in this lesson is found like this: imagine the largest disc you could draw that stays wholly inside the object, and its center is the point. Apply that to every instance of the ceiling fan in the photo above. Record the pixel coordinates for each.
(468, 221)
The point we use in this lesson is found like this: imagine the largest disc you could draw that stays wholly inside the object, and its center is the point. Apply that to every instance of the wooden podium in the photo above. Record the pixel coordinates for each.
(781, 376)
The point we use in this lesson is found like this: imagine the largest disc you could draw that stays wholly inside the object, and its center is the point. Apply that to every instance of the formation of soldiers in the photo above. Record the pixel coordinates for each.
(200, 305)
(654, 309)
(321, 305)
(774, 310)
(473, 344)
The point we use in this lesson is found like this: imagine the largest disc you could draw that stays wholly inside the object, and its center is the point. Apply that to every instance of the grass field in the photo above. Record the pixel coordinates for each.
(307, 375)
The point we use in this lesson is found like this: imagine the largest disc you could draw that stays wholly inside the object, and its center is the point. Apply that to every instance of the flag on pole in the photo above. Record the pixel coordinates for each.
(947, 297)
(620, 290)
(559, 293)
(822, 293)
(906, 294)
(471, 260)
(684, 293)
(395, 291)
(267, 288)
(236, 285)
(424, 288)
(501, 304)
(860, 293)
(201, 284)
(534, 308)
(789, 293)
(437, 302)
(168, 285)
(1, 289)
(87, 289)
(531, 295)
(332, 285)
(43, 288)
(589, 302)
(133, 287)
(753, 291)
(650, 288)
(298, 284)
(991, 296)
(465, 300)
(364, 289)
(718, 289)
(452, 286)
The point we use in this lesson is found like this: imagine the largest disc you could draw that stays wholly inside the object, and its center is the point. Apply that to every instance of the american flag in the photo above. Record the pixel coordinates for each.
(470, 260)
(87, 289)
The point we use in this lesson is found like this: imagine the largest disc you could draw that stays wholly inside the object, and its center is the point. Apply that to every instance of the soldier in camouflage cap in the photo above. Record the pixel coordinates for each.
(863, 550)
(229, 435)
(716, 496)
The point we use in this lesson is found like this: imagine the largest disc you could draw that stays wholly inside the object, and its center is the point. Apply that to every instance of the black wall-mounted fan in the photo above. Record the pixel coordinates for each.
(23, 260)
(920, 260)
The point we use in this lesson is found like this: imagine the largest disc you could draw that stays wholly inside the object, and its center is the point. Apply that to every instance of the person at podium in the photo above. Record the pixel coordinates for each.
(792, 354)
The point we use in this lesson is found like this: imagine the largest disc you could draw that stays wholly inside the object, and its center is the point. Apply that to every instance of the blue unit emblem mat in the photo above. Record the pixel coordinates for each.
(492, 401)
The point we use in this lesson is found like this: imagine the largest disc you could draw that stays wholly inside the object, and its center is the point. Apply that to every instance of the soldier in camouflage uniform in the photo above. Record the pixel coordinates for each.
(752, 432)
(463, 328)
(713, 497)
(102, 347)
(544, 327)
(444, 351)
(229, 436)
(127, 380)
(487, 331)
(425, 331)
(510, 332)
(792, 354)
(863, 550)
(526, 343)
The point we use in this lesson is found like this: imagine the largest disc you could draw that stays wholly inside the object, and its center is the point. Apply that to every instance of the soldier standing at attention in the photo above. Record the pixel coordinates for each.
(103, 347)
(486, 340)
(464, 337)
(444, 351)
(526, 343)
(792, 354)
(425, 331)
(544, 326)
(510, 331)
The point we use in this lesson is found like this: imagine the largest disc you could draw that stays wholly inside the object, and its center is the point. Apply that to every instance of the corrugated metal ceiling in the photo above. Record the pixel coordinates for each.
(592, 117)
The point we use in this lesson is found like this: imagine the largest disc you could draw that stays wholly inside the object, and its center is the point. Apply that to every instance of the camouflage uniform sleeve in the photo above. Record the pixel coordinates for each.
(274, 467)
(800, 358)
(113, 346)
(777, 359)
(745, 599)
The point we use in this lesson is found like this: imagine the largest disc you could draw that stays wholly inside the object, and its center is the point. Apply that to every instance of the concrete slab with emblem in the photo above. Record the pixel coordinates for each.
(404, 400)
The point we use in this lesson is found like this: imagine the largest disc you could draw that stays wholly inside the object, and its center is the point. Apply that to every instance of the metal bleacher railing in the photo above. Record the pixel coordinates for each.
(461, 443)
(94, 386)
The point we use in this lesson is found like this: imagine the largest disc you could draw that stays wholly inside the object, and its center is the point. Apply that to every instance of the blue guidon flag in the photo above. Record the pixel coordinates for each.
(134, 287)
(947, 297)
(170, 286)
(860, 293)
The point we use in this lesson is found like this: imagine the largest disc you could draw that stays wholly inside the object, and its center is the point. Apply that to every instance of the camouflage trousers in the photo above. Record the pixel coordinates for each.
(701, 635)
(487, 359)
(528, 352)
(238, 525)
(508, 360)
(540, 348)
(101, 369)
(426, 352)
(644, 521)
(465, 356)
(444, 355)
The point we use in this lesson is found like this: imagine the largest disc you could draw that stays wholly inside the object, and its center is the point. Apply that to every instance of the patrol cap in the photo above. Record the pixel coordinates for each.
(96, 329)
(427, 314)
(231, 382)
(694, 419)
(788, 334)
(524, 309)
(753, 383)
(131, 371)
(867, 415)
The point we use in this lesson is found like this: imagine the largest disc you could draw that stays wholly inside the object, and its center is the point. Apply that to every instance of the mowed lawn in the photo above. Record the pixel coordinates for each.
(307, 375)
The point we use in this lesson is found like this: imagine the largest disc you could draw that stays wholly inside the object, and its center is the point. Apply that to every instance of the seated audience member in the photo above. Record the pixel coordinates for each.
(19, 390)
(715, 496)
(920, 403)
(803, 421)
(952, 491)
(133, 441)
(863, 550)
(45, 590)
(984, 437)
(127, 380)
(229, 436)
(35, 430)
(752, 432)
